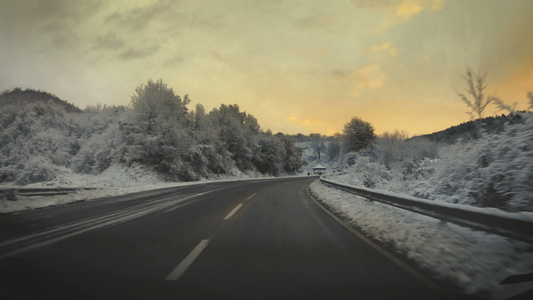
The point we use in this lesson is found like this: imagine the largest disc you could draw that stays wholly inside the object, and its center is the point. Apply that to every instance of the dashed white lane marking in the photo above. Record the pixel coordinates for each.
(250, 197)
(187, 262)
(233, 212)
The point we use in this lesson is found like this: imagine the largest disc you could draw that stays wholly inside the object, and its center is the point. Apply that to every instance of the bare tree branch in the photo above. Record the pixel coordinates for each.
(475, 87)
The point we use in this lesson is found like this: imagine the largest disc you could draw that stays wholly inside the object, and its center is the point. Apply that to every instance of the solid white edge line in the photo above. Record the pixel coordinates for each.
(233, 212)
(187, 261)
(415, 273)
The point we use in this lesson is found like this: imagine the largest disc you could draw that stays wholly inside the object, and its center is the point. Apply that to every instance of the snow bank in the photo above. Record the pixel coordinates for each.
(472, 260)
(114, 181)
(521, 215)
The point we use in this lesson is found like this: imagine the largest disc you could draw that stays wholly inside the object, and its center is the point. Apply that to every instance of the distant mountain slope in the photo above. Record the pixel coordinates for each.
(471, 130)
(18, 96)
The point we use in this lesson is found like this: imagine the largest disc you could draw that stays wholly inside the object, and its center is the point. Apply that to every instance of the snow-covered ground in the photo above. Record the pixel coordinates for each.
(495, 170)
(114, 181)
(474, 261)
(311, 157)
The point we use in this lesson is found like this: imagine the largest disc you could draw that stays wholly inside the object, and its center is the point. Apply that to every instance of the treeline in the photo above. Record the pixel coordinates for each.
(473, 130)
(17, 96)
(40, 139)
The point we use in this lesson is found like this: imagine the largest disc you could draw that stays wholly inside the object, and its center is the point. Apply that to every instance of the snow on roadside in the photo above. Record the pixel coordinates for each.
(115, 181)
(495, 170)
(475, 261)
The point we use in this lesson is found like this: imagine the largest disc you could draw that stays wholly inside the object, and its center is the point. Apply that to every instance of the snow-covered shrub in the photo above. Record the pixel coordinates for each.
(195, 164)
(349, 159)
(368, 173)
(37, 169)
(216, 163)
(496, 171)
(100, 144)
(396, 151)
(32, 142)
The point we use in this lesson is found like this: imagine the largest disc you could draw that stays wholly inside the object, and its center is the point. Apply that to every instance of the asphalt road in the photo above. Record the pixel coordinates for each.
(248, 239)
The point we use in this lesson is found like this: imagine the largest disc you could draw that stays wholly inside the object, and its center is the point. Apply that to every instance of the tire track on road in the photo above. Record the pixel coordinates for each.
(47, 237)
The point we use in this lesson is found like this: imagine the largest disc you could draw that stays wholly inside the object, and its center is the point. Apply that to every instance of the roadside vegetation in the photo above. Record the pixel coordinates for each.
(42, 137)
(486, 162)
(493, 168)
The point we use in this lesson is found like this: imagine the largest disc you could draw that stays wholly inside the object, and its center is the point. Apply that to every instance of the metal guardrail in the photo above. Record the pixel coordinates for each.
(12, 193)
(504, 223)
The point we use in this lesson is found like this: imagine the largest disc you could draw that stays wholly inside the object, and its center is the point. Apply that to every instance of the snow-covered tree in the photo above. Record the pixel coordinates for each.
(43, 138)
(156, 134)
(358, 134)
(333, 150)
(390, 147)
(155, 107)
(292, 161)
(317, 142)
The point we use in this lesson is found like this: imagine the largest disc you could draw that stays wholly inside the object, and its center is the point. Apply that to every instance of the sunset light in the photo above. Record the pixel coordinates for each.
(298, 66)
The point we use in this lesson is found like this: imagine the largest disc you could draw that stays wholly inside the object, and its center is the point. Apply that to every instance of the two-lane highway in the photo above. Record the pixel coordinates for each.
(246, 239)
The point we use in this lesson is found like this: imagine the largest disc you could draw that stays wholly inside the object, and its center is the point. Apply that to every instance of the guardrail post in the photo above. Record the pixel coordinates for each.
(10, 195)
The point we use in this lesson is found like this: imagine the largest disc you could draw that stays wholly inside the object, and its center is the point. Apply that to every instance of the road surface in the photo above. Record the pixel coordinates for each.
(246, 239)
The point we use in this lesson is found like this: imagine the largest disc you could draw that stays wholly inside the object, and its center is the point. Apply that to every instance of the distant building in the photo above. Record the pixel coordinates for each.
(319, 169)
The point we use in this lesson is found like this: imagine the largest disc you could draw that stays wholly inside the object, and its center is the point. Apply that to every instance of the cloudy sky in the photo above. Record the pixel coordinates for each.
(298, 66)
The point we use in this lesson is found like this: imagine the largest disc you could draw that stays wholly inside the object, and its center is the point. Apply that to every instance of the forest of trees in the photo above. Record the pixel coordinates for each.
(42, 136)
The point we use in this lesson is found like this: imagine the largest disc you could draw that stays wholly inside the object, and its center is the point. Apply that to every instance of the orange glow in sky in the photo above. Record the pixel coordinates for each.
(297, 66)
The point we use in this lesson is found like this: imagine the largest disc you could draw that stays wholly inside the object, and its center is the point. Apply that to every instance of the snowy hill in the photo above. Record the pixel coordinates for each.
(21, 97)
(471, 129)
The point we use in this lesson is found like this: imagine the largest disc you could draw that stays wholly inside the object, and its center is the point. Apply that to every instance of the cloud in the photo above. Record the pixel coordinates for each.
(340, 75)
(174, 61)
(373, 4)
(138, 53)
(46, 25)
(393, 12)
(109, 41)
(45, 17)
(401, 7)
(323, 23)
(369, 77)
(366, 77)
(306, 122)
(385, 47)
(408, 9)
(437, 5)
(138, 18)
(313, 122)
